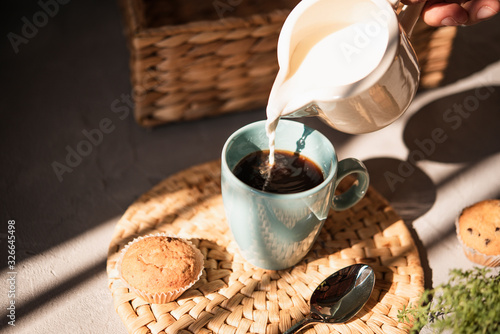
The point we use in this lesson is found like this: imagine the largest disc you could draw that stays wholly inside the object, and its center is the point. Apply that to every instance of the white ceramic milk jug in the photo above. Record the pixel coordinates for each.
(347, 61)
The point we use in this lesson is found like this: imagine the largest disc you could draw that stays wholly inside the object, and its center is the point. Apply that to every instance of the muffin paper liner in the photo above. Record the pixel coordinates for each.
(163, 297)
(474, 255)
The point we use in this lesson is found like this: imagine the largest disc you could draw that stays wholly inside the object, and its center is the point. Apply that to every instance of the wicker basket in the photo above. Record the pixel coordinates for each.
(191, 59)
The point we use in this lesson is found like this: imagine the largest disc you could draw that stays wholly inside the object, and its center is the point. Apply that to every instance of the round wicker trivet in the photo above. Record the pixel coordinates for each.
(233, 296)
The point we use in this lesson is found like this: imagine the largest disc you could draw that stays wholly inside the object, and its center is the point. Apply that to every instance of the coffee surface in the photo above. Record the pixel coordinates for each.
(290, 173)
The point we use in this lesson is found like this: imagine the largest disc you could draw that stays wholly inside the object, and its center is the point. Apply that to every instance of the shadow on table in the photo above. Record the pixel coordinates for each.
(457, 128)
(410, 192)
(474, 47)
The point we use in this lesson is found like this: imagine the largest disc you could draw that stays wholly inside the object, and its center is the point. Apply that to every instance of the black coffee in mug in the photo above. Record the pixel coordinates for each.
(291, 172)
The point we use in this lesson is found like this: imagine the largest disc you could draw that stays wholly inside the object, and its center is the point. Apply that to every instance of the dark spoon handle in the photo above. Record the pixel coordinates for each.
(299, 325)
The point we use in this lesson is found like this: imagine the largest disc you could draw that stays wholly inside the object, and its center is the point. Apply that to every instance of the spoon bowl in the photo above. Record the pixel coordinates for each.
(339, 297)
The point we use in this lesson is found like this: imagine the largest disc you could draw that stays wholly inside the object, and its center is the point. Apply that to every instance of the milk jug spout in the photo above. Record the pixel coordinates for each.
(310, 109)
(348, 62)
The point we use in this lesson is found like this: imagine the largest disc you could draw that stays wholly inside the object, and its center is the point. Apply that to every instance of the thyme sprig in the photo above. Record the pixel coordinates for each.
(468, 303)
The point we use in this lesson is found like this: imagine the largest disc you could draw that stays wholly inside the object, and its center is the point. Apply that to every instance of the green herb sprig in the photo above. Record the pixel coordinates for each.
(468, 304)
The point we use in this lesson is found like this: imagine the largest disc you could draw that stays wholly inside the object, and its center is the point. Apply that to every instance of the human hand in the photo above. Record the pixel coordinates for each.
(439, 13)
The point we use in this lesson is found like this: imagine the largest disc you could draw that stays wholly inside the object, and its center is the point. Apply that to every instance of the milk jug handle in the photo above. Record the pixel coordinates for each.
(409, 16)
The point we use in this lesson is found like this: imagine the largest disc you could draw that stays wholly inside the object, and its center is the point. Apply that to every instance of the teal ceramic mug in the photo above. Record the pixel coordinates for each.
(276, 231)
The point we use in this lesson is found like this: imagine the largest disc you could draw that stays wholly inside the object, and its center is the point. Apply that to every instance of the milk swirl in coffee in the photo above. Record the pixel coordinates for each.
(291, 172)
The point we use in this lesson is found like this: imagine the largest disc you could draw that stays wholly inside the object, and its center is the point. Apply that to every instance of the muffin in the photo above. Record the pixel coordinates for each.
(159, 268)
(478, 230)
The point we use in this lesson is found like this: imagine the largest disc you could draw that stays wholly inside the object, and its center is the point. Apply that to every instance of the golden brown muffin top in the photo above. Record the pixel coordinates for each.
(479, 227)
(160, 264)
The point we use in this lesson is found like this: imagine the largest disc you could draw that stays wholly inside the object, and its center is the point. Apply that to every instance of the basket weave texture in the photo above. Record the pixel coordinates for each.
(233, 296)
(191, 59)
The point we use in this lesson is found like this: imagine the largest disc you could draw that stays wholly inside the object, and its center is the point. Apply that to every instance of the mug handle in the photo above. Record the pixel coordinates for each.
(357, 191)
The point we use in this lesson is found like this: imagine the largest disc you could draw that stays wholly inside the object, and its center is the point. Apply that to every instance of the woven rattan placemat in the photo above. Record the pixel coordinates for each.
(233, 296)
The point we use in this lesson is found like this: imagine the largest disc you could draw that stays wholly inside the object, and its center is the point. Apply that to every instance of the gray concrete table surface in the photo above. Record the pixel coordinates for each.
(58, 84)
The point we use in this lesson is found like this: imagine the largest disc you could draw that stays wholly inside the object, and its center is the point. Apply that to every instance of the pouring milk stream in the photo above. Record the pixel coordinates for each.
(347, 62)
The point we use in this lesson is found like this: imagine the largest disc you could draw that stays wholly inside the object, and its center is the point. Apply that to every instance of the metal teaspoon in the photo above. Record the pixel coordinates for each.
(339, 297)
